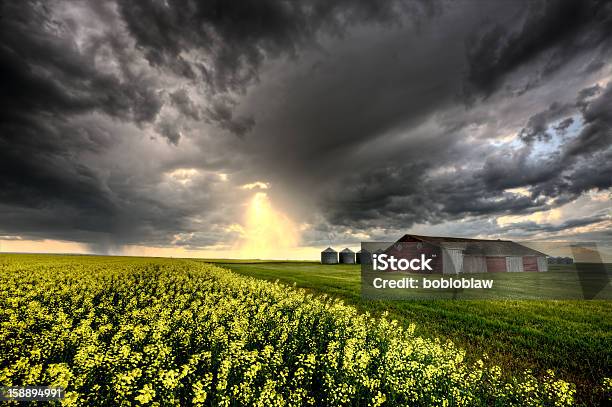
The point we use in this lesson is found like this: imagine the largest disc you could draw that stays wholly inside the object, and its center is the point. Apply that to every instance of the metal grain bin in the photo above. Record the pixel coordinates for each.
(329, 256)
(363, 257)
(347, 256)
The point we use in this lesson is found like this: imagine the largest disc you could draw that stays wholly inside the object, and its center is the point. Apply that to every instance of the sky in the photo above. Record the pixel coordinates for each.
(273, 129)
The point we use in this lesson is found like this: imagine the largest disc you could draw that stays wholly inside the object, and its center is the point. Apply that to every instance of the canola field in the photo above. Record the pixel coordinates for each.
(132, 331)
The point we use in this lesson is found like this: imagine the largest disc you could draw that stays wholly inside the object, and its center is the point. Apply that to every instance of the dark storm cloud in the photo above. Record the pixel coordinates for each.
(338, 137)
(583, 162)
(170, 130)
(563, 125)
(596, 134)
(44, 80)
(227, 42)
(556, 30)
(547, 227)
(405, 194)
(184, 104)
(69, 71)
(49, 86)
(43, 72)
(222, 113)
(235, 37)
(538, 125)
(353, 111)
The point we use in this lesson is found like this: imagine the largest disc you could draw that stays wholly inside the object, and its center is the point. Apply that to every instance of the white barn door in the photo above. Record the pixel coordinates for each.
(542, 264)
(514, 263)
(452, 262)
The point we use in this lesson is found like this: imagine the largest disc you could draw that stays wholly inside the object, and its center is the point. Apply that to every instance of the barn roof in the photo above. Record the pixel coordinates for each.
(483, 247)
(500, 248)
(440, 239)
(329, 250)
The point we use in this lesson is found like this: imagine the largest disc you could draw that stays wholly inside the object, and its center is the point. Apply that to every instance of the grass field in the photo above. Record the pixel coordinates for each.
(572, 337)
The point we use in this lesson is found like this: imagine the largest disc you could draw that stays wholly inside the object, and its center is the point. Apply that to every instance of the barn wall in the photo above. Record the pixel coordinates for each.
(474, 264)
(496, 264)
(452, 261)
(514, 263)
(542, 264)
(530, 263)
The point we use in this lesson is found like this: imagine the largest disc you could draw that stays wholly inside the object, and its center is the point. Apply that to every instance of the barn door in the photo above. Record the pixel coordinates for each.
(453, 261)
(530, 263)
(542, 264)
(514, 263)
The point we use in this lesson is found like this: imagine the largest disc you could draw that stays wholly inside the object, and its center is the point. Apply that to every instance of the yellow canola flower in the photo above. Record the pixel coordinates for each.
(128, 331)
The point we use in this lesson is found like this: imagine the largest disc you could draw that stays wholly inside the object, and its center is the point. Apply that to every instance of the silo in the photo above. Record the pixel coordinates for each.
(364, 257)
(347, 256)
(329, 256)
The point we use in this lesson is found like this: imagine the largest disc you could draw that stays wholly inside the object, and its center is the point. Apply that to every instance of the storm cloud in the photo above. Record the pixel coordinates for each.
(138, 122)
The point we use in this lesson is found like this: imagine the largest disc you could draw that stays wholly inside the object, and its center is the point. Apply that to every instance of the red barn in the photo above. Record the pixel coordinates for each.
(453, 255)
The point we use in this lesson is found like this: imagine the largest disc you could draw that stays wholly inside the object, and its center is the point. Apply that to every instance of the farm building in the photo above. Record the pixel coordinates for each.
(363, 256)
(347, 256)
(452, 255)
(329, 256)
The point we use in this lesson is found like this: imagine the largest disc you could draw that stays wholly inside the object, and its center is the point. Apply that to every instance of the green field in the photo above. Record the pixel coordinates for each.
(572, 337)
(182, 332)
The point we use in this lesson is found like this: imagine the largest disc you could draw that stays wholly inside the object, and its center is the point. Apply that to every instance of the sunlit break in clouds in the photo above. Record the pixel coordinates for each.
(267, 233)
